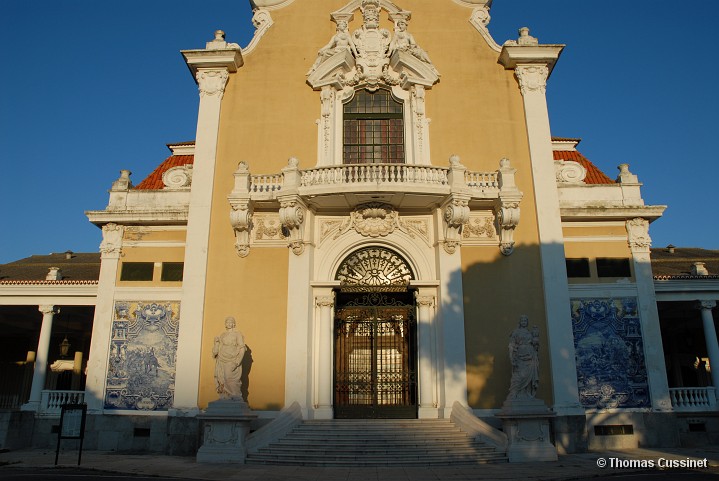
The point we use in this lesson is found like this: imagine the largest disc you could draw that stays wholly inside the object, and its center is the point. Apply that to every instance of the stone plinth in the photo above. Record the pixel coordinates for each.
(526, 424)
(226, 424)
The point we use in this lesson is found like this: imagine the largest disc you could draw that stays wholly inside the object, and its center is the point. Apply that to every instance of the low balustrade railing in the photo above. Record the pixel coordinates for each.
(266, 183)
(51, 401)
(693, 398)
(481, 180)
(375, 173)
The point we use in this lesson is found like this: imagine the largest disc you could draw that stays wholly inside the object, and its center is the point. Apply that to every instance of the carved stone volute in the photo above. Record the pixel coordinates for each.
(507, 207)
(241, 210)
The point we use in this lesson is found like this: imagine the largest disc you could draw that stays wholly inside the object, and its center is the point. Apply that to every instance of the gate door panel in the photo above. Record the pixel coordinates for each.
(375, 356)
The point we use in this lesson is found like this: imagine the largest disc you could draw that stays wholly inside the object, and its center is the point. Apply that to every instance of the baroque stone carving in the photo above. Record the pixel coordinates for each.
(212, 82)
(638, 235)
(111, 239)
(372, 220)
(479, 227)
(532, 78)
(267, 228)
(262, 20)
(524, 357)
(568, 171)
(374, 268)
(292, 217)
(456, 215)
(241, 210)
(507, 209)
(179, 177)
(229, 350)
(371, 55)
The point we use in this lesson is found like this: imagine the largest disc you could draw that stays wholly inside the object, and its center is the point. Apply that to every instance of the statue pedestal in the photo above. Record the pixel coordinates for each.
(226, 424)
(526, 424)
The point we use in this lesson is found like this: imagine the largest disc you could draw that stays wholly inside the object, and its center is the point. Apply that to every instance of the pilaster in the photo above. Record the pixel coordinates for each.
(211, 68)
(426, 304)
(324, 389)
(639, 244)
(532, 64)
(97, 364)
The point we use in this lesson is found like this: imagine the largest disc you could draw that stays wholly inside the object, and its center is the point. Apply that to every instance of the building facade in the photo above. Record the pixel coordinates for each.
(375, 195)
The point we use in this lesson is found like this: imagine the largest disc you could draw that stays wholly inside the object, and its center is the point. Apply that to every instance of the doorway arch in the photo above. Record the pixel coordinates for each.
(375, 337)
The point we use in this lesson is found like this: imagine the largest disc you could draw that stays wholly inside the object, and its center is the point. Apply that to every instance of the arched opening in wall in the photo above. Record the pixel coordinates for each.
(373, 129)
(375, 337)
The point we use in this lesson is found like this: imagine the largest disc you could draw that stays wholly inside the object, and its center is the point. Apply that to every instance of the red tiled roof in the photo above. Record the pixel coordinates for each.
(154, 180)
(594, 175)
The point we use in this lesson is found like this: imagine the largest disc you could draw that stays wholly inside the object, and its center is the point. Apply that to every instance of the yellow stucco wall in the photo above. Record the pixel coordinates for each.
(593, 250)
(269, 113)
(156, 255)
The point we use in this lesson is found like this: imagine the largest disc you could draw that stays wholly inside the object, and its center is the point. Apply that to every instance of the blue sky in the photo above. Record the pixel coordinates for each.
(91, 87)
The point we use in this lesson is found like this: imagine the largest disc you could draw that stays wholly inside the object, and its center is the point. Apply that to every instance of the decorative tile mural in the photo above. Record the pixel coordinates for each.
(611, 371)
(143, 349)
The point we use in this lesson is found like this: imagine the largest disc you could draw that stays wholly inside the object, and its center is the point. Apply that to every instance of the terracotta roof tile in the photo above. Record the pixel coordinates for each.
(154, 180)
(678, 264)
(594, 175)
(80, 268)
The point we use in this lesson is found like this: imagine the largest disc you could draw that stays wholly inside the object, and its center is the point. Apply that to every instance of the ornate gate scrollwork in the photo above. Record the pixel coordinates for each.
(374, 269)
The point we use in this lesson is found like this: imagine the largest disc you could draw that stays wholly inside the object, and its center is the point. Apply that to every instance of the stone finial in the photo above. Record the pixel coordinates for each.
(699, 269)
(670, 248)
(454, 160)
(123, 182)
(626, 177)
(525, 38)
(219, 43)
(54, 274)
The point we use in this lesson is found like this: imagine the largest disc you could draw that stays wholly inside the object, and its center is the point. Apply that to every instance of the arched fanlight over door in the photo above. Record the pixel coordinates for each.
(374, 269)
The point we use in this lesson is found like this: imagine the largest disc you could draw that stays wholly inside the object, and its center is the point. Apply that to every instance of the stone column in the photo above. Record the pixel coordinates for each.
(40, 370)
(532, 79)
(425, 340)
(639, 244)
(323, 409)
(110, 250)
(710, 337)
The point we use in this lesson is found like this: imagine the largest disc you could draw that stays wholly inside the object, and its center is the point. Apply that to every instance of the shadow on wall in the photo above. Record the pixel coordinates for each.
(246, 368)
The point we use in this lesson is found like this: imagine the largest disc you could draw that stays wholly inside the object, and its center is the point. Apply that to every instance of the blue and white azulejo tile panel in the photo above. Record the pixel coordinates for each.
(611, 371)
(143, 349)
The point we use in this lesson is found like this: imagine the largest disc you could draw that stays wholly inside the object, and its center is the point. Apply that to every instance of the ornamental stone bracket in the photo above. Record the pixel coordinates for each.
(507, 207)
(242, 210)
(292, 207)
(455, 214)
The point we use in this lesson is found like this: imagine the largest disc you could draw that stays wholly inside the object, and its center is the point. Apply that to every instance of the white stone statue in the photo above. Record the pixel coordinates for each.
(229, 350)
(403, 40)
(342, 40)
(523, 354)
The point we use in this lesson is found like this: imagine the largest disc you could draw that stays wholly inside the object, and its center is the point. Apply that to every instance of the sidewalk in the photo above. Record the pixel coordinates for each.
(568, 467)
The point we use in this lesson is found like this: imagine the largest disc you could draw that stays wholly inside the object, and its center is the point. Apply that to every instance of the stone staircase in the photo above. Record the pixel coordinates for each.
(382, 442)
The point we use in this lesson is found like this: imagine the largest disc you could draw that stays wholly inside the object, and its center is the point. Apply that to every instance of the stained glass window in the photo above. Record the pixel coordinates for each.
(373, 129)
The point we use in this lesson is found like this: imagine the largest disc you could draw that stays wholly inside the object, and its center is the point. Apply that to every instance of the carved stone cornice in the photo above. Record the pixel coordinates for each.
(638, 235)
(212, 82)
(532, 78)
(111, 244)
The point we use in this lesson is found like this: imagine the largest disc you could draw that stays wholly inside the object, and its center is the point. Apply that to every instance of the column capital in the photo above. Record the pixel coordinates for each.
(48, 309)
(325, 301)
(638, 235)
(111, 244)
(532, 78)
(425, 301)
(705, 304)
(212, 81)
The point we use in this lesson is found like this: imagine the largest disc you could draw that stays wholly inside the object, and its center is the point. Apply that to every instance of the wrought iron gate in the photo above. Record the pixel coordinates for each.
(375, 355)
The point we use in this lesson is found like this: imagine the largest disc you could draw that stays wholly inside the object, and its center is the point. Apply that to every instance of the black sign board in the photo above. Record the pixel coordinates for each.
(72, 426)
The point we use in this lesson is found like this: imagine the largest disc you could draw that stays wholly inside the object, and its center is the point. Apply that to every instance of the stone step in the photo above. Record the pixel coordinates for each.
(376, 443)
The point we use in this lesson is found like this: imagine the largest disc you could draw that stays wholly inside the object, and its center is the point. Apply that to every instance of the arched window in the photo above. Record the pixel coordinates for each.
(373, 129)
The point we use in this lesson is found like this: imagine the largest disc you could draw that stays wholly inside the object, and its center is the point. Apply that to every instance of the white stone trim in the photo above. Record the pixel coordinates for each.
(148, 294)
(30, 295)
(597, 238)
(602, 290)
(480, 19)
(262, 20)
(273, 4)
(163, 244)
